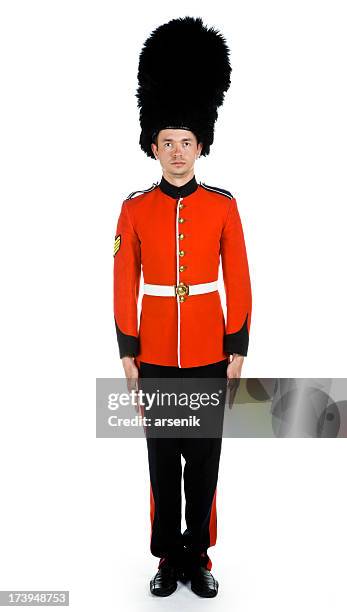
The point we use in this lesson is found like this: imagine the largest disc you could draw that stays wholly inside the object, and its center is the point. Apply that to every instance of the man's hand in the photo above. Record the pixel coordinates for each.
(233, 375)
(235, 366)
(131, 372)
(132, 376)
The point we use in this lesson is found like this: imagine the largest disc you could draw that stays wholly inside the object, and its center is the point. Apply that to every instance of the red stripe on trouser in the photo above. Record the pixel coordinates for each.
(207, 563)
(152, 509)
(213, 521)
(212, 532)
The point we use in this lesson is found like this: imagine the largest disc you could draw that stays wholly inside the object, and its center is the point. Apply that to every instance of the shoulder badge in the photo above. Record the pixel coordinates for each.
(116, 247)
(217, 190)
(133, 193)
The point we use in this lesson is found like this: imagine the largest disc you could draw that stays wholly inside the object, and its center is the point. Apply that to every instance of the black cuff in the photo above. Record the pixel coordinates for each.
(129, 346)
(237, 342)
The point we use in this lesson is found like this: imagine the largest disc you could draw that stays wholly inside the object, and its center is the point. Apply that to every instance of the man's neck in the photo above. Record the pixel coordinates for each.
(178, 181)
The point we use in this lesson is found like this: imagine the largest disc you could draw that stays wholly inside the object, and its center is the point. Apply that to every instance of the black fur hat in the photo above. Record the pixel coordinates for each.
(184, 71)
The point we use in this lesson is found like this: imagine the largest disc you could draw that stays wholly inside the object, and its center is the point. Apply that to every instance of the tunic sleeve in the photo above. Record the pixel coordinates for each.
(236, 283)
(126, 276)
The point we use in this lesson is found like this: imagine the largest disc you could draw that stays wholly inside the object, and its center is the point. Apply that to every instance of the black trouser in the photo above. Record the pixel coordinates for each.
(200, 474)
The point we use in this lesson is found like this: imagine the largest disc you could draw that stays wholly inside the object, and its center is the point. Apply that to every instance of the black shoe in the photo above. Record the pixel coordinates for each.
(203, 583)
(165, 581)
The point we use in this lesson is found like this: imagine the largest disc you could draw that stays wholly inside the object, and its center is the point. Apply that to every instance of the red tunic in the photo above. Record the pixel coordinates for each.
(191, 332)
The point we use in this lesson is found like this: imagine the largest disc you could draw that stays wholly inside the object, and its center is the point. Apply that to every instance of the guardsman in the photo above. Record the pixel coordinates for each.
(177, 232)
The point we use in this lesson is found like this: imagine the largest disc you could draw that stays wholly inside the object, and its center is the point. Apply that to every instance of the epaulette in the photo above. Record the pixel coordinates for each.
(217, 190)
(133, 193)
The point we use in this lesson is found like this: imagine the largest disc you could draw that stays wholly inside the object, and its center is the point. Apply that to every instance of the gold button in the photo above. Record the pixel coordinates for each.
(182, 298)
(181, 206)
(181, 236)
(181, 253)
(182, 268)
(180, 220)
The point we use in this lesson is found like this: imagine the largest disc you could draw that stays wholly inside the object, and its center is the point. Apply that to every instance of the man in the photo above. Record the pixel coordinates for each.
(177, 231)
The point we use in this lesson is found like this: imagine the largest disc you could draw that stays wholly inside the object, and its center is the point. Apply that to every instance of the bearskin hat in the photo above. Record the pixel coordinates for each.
(183, 74)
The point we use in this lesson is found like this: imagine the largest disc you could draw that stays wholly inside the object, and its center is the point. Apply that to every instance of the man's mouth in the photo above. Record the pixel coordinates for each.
(178, 163)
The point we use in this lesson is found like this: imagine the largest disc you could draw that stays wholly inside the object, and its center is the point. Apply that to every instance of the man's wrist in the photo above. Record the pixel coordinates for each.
(235, 356)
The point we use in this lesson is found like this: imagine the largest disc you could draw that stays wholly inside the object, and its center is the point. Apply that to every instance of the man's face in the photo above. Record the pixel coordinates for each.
(177, 151)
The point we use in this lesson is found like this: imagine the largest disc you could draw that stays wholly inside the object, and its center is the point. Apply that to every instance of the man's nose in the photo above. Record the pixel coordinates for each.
(178, 149)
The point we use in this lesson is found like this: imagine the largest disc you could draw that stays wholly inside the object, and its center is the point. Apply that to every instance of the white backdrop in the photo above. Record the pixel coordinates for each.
(75, 509)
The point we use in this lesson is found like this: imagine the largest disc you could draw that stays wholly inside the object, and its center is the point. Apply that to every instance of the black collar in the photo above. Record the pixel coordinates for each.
(178, 192)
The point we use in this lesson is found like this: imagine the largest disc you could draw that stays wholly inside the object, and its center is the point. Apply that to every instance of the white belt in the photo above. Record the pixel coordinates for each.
(180, 289)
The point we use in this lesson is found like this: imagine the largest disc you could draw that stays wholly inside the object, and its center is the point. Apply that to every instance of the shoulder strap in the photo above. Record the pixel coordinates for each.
(133, 193)
(217, 190)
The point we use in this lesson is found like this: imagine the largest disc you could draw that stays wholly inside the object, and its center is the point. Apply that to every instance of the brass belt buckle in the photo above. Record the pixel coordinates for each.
(182, 289)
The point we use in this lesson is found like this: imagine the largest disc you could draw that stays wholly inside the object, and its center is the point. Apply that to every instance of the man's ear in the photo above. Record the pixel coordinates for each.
(155, 150)
(200, 145)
